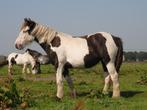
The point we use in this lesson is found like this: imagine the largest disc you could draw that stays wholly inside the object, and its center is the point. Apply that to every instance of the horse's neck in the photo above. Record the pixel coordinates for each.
(28, 56)
(31, 59)
(43, 33)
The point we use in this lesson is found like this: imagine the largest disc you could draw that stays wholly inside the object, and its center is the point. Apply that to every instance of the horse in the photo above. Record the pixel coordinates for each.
(42, 59)
(66, 51)
(39, 58)
(24, 59)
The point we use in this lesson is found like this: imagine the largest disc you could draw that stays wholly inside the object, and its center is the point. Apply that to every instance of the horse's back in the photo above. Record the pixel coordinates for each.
(87, 50)
(74, 49)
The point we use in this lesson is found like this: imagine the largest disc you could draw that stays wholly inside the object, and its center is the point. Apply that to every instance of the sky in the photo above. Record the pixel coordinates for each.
(124, 18)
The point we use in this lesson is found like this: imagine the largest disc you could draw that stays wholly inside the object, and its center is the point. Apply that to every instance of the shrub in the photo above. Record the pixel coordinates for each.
(10, 97)
(143, 79)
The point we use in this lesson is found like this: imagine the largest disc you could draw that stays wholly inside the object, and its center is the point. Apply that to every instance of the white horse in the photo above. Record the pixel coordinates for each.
(66, 51)
(24, 59)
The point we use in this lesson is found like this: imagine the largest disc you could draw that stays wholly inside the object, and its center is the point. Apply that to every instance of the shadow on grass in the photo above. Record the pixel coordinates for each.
(83, 94)
(127, 94)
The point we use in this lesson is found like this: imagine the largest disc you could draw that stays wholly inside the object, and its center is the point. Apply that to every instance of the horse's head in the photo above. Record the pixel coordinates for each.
(25, 37)
(36, 68)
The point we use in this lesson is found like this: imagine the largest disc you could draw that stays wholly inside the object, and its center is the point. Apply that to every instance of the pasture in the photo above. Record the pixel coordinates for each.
(41, 89)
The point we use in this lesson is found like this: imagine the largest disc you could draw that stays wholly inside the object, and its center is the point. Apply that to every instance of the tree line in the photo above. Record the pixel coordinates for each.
(135, 56)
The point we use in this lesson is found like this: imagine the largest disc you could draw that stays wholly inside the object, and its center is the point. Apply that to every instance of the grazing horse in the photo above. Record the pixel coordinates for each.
(24, 59)
(66, 51)
(39, 58)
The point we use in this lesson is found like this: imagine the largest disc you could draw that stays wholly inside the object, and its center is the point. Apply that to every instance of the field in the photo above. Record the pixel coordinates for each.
(40, 89)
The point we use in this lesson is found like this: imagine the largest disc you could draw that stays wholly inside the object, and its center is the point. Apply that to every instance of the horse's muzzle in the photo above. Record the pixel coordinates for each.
(18, 46)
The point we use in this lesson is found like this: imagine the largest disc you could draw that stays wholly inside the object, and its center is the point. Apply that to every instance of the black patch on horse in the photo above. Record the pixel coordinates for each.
(51, 54)
(31, 24)
(37, 67)
(56, 42)
(97, 50)
(16, 56)
(13, 60)
(34, 53)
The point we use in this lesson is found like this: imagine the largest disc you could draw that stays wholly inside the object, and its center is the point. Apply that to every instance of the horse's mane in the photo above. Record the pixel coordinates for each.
(43, 31)
(33, 53)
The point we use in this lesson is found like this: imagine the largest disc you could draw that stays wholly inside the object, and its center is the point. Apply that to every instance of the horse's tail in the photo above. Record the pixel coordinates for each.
(119, 56)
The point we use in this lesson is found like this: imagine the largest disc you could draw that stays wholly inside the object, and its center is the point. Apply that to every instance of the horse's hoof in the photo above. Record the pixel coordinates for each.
(10, 76)
(115, 97)
(58, 99)
(105, 92)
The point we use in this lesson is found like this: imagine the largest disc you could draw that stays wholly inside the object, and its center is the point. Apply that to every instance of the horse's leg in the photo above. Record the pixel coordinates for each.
(24, 70)
(59, 80)
(106, 80)
(69, 81)
(114, 77)
(9, 69)
(28, 70)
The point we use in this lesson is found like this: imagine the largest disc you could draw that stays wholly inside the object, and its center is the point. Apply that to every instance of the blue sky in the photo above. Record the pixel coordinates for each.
(124, 18)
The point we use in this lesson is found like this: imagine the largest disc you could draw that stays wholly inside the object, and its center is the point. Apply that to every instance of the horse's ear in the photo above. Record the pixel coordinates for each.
(27, 50)
(25, 19)
(29, 19)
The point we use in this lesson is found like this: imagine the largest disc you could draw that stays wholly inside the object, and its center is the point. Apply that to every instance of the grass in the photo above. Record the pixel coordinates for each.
(88, 83)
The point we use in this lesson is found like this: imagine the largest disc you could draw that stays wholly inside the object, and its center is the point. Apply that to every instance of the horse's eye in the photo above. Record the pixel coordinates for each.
(25, 31)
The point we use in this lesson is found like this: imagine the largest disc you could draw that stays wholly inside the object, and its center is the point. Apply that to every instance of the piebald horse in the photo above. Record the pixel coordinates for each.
(24, 59)
(66, 51)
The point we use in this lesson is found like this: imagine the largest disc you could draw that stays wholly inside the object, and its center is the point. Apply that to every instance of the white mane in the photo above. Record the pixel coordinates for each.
(43, 33)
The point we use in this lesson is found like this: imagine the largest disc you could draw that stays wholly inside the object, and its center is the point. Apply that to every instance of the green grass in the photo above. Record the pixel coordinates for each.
(88, 83)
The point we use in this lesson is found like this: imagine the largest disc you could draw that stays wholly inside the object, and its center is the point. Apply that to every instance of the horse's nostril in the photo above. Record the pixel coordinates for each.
(18, 46)
(15, 45)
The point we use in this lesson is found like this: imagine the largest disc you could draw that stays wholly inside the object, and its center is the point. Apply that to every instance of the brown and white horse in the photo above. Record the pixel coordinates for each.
(66, 51)
(24, 59)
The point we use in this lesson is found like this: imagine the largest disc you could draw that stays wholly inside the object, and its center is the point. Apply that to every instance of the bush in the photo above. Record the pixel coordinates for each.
(10, 97)
(143, 79)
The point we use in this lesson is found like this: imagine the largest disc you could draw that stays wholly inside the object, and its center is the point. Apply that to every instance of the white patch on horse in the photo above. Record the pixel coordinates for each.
(110, 44)
(75, 51)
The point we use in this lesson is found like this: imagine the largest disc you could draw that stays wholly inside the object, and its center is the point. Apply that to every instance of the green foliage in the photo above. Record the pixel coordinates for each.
(135, 56)
(9, 96)
(143, 79)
